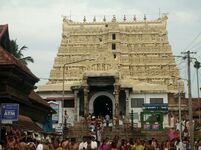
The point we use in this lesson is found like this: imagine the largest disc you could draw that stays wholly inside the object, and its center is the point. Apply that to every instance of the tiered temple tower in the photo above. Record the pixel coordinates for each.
(138, 51)
(131, 57)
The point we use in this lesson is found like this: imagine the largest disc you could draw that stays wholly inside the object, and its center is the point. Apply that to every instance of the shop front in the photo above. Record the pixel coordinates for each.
(152, 117)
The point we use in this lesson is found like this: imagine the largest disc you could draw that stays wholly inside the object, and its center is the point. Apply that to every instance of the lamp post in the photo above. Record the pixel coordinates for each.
(180, 129)
(197, 66)
(63, 81)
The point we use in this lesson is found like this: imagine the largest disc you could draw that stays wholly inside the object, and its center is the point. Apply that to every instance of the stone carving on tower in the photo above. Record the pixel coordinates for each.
(138, 50)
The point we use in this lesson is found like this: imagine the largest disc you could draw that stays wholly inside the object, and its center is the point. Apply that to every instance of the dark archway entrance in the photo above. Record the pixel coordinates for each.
(103, 106)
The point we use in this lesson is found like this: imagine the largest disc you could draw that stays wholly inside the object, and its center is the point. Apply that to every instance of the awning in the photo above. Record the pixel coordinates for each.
(196, 113)
(26, 123)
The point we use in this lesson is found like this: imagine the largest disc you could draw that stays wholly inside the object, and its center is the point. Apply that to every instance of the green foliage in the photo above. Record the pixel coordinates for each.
(18, 52)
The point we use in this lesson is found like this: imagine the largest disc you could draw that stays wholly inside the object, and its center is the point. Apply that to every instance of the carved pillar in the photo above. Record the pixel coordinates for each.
(76, 102)
(85, 92)
(86, 101)
(127, 105)
(116, 95)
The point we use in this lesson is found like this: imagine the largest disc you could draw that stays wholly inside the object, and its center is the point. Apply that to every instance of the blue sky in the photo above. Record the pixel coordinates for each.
(38, 24)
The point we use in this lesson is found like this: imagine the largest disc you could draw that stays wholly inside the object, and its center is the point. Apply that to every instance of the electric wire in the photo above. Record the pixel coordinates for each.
(198, 56)
(197, 49)
(186, 49)
(196, 46)
(182, 61)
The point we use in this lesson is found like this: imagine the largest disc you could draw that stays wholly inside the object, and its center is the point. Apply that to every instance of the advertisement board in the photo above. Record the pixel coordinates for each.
(55, 117)
(9, 111)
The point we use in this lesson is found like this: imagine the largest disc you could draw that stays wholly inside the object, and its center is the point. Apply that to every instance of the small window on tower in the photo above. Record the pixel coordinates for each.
(115, 56)
(113, 36)
(113, 46)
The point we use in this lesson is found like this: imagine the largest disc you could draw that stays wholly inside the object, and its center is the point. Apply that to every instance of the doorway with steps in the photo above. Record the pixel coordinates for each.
(103, 106)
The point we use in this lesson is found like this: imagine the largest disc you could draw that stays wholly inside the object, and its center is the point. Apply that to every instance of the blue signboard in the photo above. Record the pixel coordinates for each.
(154, 107)
(9, 111)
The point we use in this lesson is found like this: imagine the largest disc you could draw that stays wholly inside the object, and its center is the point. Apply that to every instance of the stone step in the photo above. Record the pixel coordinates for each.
(80, 129)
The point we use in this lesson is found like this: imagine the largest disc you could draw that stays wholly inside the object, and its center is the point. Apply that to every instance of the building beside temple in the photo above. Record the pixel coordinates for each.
(114, 67)
(17, 88)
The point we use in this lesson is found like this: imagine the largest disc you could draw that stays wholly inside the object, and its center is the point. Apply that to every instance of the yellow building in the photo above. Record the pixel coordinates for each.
(111, 67)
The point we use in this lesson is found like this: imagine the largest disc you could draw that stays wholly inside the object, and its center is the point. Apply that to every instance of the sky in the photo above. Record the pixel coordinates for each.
(38, 25)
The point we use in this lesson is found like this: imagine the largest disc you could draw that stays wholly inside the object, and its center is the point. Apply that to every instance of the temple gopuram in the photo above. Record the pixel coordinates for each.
(114, 68)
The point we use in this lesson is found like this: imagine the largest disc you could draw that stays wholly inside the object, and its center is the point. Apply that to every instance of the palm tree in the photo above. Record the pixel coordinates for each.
(17, 52)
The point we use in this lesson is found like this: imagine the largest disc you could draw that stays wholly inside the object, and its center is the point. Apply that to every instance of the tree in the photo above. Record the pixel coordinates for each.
(18, 52)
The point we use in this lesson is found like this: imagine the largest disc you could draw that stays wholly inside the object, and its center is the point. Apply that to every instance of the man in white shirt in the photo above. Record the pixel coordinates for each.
(107, 118)
(83, 144)
(179, 145)
(39, 147)
(94, 144)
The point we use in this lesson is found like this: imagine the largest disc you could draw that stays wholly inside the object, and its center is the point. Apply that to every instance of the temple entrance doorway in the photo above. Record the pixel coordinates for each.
(102, 106)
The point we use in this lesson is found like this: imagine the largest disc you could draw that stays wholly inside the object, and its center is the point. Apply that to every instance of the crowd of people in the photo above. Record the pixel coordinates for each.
(97, 124)
(17, 139)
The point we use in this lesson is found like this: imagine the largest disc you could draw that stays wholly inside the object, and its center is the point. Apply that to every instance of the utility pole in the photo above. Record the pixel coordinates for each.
(190, 100)
(179, 92)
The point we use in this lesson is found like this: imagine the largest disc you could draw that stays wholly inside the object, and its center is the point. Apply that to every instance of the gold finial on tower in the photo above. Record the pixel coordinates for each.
(84, 20)
(104, 19)
(94, 20)
(114, 18)
(124, 18)
(134, 18)
(145, 18)
(64, 18)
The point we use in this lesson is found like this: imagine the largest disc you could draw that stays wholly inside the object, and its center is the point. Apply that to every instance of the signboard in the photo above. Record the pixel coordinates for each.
(6, 122)
(154, 107)
(59, 129)
(9, 112)
(152, 120)
(147, 126)
(155, 126)
(55, 117)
